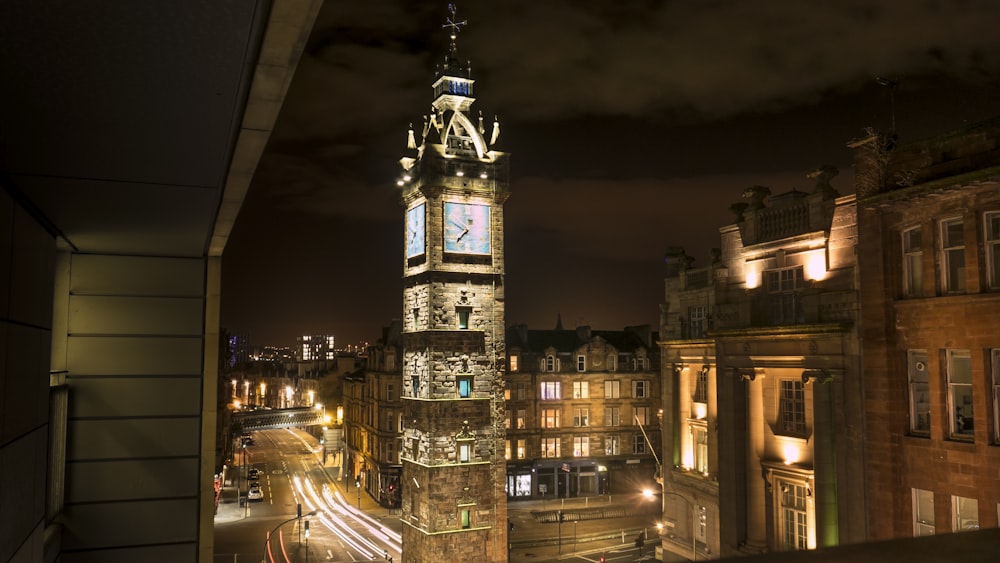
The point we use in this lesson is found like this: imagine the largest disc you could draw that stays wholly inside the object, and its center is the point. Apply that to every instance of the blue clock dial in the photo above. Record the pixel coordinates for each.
(466, 228)
(415, 223)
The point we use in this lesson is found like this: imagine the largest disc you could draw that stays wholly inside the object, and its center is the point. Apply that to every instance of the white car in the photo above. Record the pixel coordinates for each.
(255, 494)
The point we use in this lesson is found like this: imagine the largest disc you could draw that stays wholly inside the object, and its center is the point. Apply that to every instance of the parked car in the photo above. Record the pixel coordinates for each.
(255, 494)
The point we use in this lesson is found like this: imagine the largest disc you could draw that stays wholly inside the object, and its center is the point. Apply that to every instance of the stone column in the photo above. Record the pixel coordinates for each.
(756, 500)
(684, 404)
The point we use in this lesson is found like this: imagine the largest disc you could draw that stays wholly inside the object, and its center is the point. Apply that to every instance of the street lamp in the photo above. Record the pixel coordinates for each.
(267, 541)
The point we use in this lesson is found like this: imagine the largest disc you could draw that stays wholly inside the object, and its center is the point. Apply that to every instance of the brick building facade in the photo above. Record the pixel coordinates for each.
(929, 253)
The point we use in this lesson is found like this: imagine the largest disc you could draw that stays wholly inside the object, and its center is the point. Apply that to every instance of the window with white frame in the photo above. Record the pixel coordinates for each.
(551, 390)
(699, 439)
(640, 415)
(992, 244)
(581, 390)
(522, 422)
(638, 444)
(612, 446)
(581, 363)
(960, 393)
(550, 447)
(923, 513)
(792, 407)
(581, 416)
(612, 389)
(913, 263)
(640, 389)
(793, 515)
(701, 386)
(920, 406)
(550, 418)
(995, 370)
(513, 363)
(965, 513)
(783, 287)
(464, 452)
(953, 255)
(522, 448)
(581, 446)
(612, 416)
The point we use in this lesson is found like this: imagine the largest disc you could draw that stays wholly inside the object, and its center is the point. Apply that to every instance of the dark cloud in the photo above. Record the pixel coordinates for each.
(632, 126)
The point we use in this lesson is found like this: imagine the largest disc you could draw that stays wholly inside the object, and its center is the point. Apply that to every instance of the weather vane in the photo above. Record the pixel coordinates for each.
(454, 24)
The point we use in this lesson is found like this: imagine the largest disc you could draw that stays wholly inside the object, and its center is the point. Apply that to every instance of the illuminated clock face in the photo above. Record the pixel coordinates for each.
(466, 228)
(415, 222)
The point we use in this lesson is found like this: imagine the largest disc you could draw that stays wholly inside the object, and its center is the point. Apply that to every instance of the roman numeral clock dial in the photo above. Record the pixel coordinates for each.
(466, 228)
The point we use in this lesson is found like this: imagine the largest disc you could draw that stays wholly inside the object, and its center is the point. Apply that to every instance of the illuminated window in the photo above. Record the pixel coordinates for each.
(783, 287)
(612, 389)
(506, 419)
(463, 317)
(612, 416)
(551, 390)
(960, 393)
(513, 363)
(612, 446)
(507, 451)
(464, 453)
(923, 513)
(640, 389)
(992, 238)
(792, 407)
(581, 417)
(913, 267)
(466, 519)
(920, 406)
(581, 446)
(640, 415)
(581, 363)
(699, 437)
(521, 422)
(550, 418)
(581, 390)
(966, 514)
(953, 255)
(701, 387)
(550, 447)
(522, 449)
(506, 390)
(794, 523)
(464, 387)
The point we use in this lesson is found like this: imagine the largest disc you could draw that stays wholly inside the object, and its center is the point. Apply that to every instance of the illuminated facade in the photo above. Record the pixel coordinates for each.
(315, 347)
(575, 400)
(929, 218)
(762, 376)
(453, 185)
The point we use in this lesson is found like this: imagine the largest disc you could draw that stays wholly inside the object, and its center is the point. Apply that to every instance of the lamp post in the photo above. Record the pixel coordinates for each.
(267, 541)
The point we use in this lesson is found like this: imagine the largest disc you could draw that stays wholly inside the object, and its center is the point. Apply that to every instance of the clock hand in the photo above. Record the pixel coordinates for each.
(464, 232)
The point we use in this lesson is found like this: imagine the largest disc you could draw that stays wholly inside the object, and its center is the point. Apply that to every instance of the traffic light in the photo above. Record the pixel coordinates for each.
(601, 560)
(562, 517)
(307, 529)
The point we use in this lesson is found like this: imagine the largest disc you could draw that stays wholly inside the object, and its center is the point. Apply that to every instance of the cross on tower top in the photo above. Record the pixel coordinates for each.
(453, 23)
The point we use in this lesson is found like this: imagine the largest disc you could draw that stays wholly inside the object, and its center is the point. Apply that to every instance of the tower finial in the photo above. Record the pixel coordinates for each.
(454, 25)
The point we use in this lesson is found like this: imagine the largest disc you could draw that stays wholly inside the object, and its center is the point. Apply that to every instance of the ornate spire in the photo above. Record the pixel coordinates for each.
(453, 25)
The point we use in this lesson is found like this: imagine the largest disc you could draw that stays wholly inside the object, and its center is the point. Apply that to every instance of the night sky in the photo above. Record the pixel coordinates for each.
(633, 126)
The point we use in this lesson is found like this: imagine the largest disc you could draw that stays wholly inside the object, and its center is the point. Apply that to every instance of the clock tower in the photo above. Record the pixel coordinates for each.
(454, 184)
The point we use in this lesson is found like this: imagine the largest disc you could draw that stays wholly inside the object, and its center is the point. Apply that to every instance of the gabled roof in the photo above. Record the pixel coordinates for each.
(562, 340)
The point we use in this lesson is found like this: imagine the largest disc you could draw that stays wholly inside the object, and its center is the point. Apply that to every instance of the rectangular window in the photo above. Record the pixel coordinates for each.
(551, 390)
(960, 393)
(923, 513)
(920, 406)
(783, 287)
(953, 255)
(612, 389)
(581, 446)
(699, 436)
(638, 444)
(792, 407)
(513, 363)
(390, 363)
(913, 263)
(550, 447)
(640, 415)
(995, 369)
(506, 419)
(550, 418)
(521, 422)
(550, 363)
(640, 389)
(581, 417)
(464, 387)
(463, 317)
(581, 390)
(794, 518)
(612, 416)
(507, 451)
(611, 445)
(966, 514)
(992, 245)
(612, 363)
(390, 392)
(521, 389)
(581, 363)
(464, 453)
(466, 519)
(701, 387)
(696, 320)
(522, 448)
